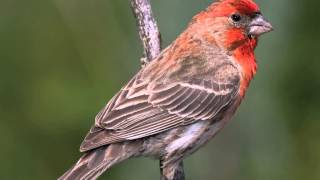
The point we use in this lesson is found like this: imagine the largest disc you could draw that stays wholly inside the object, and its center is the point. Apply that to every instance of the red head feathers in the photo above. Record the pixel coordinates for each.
(226, 7)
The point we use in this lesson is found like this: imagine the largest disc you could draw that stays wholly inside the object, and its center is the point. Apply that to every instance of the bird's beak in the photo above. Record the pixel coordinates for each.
(259, 25)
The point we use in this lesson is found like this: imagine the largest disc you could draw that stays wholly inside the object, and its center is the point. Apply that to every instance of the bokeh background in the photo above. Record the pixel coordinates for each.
(62, 60)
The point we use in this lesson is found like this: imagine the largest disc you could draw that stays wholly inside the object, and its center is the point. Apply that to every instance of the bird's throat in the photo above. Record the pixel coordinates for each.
(246, 58)
(242, 48)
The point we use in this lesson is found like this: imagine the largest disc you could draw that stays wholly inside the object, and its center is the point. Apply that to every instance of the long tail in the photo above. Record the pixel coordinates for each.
(92, 164)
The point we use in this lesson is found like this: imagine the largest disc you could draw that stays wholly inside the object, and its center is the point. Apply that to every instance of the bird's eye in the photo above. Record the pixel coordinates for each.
(236, 17)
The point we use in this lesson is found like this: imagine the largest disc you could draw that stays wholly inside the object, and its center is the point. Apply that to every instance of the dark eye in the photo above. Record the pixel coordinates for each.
(236, 17)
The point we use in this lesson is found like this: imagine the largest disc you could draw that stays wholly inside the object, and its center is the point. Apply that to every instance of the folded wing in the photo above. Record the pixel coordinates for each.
(143, 109)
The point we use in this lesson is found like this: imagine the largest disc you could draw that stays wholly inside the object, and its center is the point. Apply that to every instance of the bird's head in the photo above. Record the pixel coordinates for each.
(233, 21)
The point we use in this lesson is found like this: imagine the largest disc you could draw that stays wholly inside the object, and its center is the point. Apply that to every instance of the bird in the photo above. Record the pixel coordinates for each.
(181, 99)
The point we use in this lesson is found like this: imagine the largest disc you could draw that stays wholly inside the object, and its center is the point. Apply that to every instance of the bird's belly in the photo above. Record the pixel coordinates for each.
(181, 141)
(177, 142)
(193, 137)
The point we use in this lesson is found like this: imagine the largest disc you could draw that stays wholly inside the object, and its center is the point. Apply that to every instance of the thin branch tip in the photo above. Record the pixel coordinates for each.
(148, 29)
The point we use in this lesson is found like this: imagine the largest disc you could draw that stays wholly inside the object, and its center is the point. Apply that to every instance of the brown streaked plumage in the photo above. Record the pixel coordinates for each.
(180, 100)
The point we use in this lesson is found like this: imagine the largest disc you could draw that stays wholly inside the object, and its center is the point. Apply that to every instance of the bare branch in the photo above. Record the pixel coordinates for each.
(176, 171)
(151, 40)
(148, 29)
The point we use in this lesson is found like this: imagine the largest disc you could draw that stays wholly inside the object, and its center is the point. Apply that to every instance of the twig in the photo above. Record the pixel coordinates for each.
(176, 170)
(151, 40)
(148, 29)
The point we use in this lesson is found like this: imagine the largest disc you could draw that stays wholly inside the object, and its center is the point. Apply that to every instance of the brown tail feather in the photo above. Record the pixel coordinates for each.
(92, 164)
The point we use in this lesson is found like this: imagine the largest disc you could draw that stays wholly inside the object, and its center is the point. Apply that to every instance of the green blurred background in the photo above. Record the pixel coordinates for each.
(62, 60)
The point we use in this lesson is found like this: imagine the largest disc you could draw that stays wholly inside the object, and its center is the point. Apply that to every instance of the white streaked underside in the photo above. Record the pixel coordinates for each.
(189, 136)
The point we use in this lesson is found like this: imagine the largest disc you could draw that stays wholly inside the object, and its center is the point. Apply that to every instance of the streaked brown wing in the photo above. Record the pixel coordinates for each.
(198, 99)
(142, 109)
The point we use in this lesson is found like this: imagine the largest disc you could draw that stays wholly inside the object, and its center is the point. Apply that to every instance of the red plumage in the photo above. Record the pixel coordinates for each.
(181, 99)
(225, 7)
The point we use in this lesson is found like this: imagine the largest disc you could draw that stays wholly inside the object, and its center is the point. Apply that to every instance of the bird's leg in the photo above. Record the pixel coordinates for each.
(172, 171)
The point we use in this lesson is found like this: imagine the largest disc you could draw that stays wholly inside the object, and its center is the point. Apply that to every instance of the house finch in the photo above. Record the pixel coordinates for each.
(181, 99)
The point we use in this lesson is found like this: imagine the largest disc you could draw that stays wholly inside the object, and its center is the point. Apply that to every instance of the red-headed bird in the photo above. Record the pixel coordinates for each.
(182, 98)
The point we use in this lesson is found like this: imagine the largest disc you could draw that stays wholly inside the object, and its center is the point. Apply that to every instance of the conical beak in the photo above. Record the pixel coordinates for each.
(259, 25)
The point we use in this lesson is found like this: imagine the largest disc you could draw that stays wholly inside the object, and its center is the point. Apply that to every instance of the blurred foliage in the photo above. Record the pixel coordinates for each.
(61, 60)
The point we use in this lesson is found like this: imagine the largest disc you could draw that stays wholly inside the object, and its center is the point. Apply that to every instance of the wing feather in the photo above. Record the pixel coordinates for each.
(143, 109)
